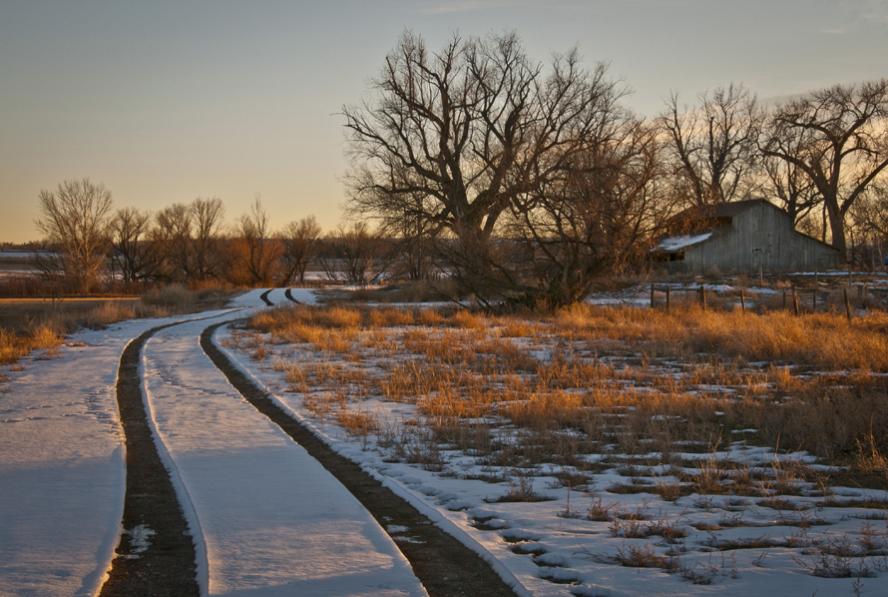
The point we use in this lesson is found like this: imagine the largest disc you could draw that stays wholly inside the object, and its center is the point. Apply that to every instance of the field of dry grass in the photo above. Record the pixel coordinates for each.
(35, 324)
(599, 379)
(689, 443)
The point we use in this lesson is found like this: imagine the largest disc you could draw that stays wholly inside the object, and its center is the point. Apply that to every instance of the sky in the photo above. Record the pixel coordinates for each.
(167, 101)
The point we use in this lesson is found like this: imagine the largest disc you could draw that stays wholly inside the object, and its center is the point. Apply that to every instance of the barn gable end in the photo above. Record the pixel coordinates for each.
(744, 237)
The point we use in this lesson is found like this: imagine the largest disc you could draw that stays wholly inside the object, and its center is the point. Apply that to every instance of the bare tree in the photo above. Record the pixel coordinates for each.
(171, 237)
(469, 129)
(300, 243)
(714, 145)
(843, 147)
(410, 225)
(206, 215)
(869, 215)
(791, 187)
(132, 254)
(75, 219)
(261, 251)
(599, 216)
(355, 255)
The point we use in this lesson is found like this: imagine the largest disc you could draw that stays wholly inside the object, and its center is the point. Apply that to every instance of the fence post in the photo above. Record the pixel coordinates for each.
(742, 302)
(814, 300)
(667, 299)
(652, 296)
(795, 301)
(847, 303)
(784, 299)
(703, 297)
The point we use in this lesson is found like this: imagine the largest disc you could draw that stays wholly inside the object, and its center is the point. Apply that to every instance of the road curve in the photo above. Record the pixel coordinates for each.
(446, 567)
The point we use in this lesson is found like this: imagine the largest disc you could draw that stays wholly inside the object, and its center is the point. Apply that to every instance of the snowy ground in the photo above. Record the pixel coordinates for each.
(616, 531)
(62, 464)
(268, 519)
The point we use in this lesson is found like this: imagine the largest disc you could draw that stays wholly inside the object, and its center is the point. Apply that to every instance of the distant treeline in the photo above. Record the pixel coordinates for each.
(91, 246)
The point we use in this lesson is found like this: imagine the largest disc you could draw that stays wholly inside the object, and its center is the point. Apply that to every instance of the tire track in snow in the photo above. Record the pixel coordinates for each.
(156, 554)
(446, 567)
(289, 294)
(265, 299)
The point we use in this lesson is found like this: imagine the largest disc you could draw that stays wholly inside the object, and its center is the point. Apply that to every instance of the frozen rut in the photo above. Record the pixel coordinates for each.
(216, 493)
(267, 518)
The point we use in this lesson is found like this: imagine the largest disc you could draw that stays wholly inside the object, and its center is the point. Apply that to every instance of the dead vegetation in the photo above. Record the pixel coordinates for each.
(626, 380)
(707, 423)
(27, 325)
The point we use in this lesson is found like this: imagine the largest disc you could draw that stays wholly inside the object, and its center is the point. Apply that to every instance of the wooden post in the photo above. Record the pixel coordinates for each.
(795, 301)
(742, 302)
(703, 297)
(667, 299)
(865, 297)
(784, 300)
(847, 303)
(652, 296)
(814, 300)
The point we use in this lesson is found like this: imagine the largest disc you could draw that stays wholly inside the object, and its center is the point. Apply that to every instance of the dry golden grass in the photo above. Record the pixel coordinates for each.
(356, 422)
(673, 381)
(14, 346)
(32, 324)
(386, 317)
(823, 340)
(430, 317)
(467, 319)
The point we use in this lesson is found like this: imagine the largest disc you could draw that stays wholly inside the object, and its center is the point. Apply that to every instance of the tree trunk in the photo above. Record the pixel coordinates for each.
(837, 229)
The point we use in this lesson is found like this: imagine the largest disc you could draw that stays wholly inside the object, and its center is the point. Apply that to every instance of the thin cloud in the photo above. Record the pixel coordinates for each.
(462, 6)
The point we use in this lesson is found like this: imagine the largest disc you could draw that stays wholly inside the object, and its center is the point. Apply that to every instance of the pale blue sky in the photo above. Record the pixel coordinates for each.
(165, 101)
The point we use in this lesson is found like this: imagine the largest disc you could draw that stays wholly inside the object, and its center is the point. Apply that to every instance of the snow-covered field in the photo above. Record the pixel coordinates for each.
(266, 518)
(614, 523)
(62, 464)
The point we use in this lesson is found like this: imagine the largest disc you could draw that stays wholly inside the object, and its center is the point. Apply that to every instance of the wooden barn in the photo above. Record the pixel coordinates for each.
(740, 237)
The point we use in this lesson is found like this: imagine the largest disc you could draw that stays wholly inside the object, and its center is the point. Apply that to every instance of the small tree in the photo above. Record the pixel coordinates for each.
(132, 255)
(299, 246)
(260, 250)
(171, 237)
(597, 218)
(355, 255)
(75, 219)
(206, 216)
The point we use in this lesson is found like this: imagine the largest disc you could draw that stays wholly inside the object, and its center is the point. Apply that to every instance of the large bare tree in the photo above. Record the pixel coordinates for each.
(469, 129)
(75, 219)
(838, 137)
(713, 145)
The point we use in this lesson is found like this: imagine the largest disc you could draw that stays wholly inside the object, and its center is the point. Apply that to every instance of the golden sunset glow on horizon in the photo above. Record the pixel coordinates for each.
(165, 102)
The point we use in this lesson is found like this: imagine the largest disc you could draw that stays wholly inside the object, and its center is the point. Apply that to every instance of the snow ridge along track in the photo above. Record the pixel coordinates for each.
(444, 565)
(168, 565)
